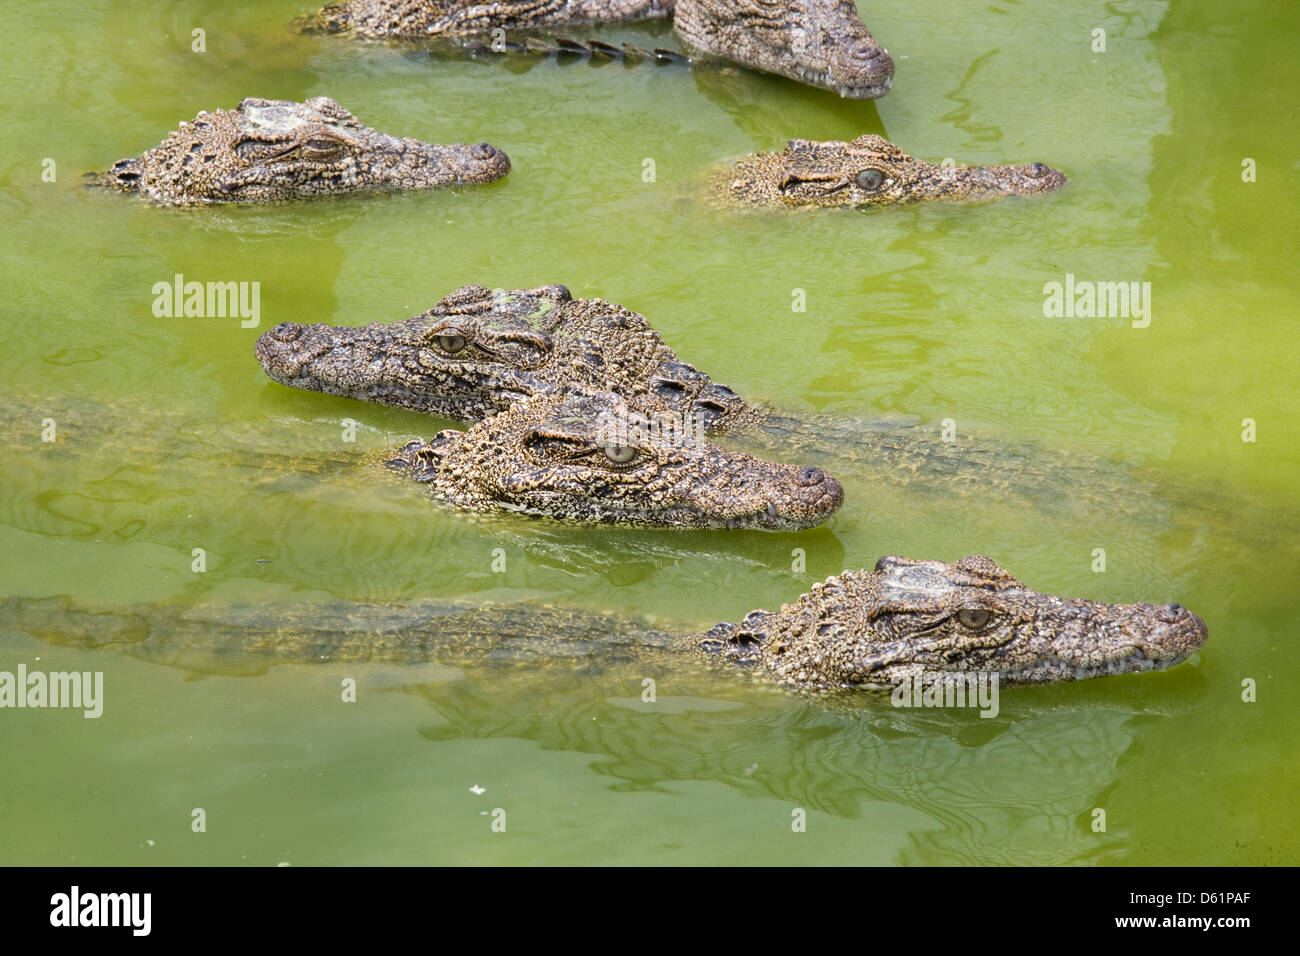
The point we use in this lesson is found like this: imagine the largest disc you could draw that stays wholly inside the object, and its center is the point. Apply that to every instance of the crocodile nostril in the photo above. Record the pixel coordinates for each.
(873, 57)
(1036, 170)
(1172, 613)
(286, 332)
(809, 476)
(485, 151)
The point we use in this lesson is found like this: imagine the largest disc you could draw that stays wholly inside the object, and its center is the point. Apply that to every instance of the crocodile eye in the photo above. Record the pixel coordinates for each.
(323, 148)
(973, 617)
(451, 344)
(870, 180)
(669, 389)
(619, 454)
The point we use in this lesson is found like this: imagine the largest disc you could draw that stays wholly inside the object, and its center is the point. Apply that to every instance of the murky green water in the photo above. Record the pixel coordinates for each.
(929, 312)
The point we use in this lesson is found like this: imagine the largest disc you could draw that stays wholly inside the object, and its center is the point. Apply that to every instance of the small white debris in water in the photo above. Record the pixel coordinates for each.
(477, 790)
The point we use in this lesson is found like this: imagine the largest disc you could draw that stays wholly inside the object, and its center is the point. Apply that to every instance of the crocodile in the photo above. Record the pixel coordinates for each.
(583, 456)
(478, 351)
(586, 455)
(823, 43)
(869, 171)
(266, 150)
(861, 630)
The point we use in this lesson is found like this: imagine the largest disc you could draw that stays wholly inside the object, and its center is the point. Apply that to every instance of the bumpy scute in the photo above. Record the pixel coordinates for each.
(588, 456)
(820, 42)
(415, 18)
(907, 618)
(869, 171)
(852, 633)
(268, 150)
(477, 352)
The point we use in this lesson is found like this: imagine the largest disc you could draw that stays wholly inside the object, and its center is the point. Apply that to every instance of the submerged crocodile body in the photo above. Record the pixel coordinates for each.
(860, 630)
(820, 42)
(579, 457)
(267, 150)
(478, 351)
(586, 456)
(869, 171)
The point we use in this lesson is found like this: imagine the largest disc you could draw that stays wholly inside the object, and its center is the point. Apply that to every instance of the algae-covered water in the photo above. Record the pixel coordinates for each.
(1181, 144)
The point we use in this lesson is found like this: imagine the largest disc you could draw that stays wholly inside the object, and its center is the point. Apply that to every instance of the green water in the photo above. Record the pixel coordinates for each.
(932, 312)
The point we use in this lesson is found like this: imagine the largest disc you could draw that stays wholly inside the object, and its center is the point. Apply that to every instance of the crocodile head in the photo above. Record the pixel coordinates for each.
(906, 618)
(477, 352)
(277, 149)
(872, 171)
(820, 42)
(586, 455)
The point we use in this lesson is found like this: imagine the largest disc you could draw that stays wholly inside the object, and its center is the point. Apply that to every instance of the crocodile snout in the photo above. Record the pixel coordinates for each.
(809, 476)
(1166, 633)
(284, 350)
(485, 163)
(861, 70)
(812, 497)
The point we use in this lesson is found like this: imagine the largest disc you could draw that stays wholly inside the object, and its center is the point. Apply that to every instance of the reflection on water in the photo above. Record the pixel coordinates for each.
(1016, 788)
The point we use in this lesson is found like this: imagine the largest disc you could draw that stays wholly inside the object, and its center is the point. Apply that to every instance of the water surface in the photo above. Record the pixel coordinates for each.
(929, 312)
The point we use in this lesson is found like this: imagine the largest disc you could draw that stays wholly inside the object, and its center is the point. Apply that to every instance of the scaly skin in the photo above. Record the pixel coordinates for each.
(267, 150)
(418, 18)
(905, 618)
(861, 630)
(478, 352)
(822, 43)
(580, 456)
(573, 457)
(870, 171)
